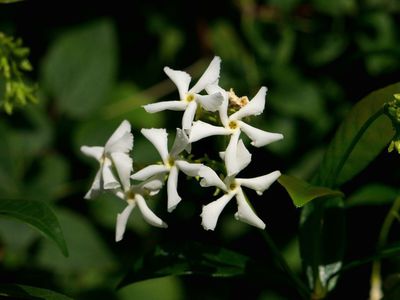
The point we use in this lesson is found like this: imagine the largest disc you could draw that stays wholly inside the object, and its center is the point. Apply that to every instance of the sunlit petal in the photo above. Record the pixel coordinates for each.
(253, 108)
(210, 102)
(181, 143)
(223, 109)
(122, 219)
(188, 115)
(123, 165)
(202, 129)
(260, 183)
(165, 105)
(181, 80)
(108, 178)
(212, 211)
(172, 183)
(153, 184)
(243, 156)
(259, 137)
(95, 152)
(246, 213)
(189, 169)
(210, 178)
(121, 140)
(231, 159)
(210, 76)
(147, 214)
(159, 138)
(149, 171)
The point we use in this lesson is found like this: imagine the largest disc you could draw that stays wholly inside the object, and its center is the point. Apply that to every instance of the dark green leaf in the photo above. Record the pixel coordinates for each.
(37, 214)
(301, 192)
(190, 258)
(17, 291)
(322, 241)
(364, 133)
(80, 67)
(372, 194)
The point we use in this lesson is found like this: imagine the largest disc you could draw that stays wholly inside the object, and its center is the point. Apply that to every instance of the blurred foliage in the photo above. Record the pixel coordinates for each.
(97, 66)
(14, 91)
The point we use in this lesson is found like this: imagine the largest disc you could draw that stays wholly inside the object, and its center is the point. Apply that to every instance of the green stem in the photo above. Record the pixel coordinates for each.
(296, 281)
(354, 142)
(375, 291)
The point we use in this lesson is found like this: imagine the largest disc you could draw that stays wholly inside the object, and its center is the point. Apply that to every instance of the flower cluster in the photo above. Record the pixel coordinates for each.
(116, 174)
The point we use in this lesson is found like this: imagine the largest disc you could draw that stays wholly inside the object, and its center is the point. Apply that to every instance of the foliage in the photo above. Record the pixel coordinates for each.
(97, 67)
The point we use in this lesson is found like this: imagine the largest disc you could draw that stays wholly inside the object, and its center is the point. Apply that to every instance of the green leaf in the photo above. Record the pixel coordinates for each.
(322, 242)
(363, 134)
(79, 70)
(188, 259)
(372, 194)
(37, 214)
(301, 192)
(18, 291)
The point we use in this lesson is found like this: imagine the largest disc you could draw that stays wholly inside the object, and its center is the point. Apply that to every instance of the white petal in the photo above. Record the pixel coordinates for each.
(260, 183)
(124, 167)
(210, 178)
(188, 168)
(173, 196)
(148, 215)
(165, 105)
(95, 152)
(246, 213)
(223, 109)
(259, 137)
(181, 80)
(188, 115)
(149, 171)
(231, 162)
(210, 102)
(108, 178)
(122, 219)
(121, 140)
(202, 129)
(181, 143)
(159, 138)
(210, 76)
(243, 156)
(253, 108)
(95, 188)
(153, 185)
(211, 211)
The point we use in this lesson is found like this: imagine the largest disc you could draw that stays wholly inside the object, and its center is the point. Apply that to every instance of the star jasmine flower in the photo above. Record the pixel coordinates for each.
(134, 196)
(233, 125)
(114, 155)
(172, 164)
(190, 99)
(232, 187)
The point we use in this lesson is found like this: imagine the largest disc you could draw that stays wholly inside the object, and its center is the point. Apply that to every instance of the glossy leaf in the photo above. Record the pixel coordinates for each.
(17, 291)
(188, 259)
(80, 67)
(37, 214)
(301, 192)
(364, 133)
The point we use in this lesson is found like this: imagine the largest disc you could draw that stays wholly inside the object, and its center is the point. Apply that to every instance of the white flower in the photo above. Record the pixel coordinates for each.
(113, 155)
(134, 196)
(190, 98)
(233, 125)
(232, 187)
(172, 164)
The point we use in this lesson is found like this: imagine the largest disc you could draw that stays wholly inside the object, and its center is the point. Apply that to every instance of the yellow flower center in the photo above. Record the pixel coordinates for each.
(189, 97)
(233, 125)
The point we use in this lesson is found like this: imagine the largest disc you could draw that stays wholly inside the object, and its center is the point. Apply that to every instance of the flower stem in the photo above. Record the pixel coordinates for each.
(295, 280)
(375, 280)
